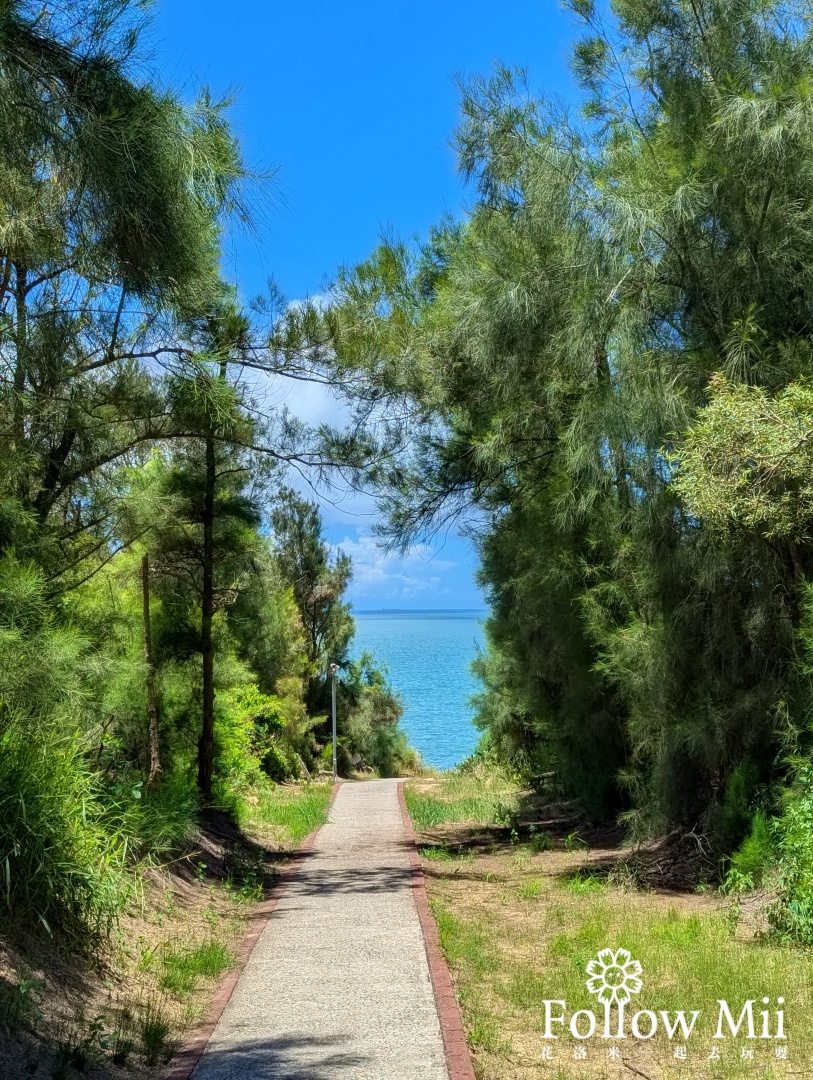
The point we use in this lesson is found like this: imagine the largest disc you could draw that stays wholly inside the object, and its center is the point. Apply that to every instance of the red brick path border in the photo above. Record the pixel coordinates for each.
(184, 1064)
(458, 1059)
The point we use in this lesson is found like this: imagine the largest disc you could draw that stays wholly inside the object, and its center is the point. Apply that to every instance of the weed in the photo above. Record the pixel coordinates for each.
(80, 1044)
(444, 854)
(574, 842)
(182, 966)
(530, 890)
(540, 842)
(582, 882)
(246, 875)
(154, 1030)
(121, 1047)
(21, 1004)
(211, 917)
(435, 854)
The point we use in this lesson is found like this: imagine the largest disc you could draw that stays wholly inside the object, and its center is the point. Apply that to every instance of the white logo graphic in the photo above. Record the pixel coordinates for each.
(614, 977)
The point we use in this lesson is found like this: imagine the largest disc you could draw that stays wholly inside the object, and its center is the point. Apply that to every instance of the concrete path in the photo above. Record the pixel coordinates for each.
(338, 985)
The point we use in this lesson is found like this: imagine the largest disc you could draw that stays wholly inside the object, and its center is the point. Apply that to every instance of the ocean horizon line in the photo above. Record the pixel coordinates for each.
(420, 611)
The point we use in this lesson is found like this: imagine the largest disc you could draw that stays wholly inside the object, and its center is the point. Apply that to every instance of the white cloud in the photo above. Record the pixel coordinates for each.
(391, 577)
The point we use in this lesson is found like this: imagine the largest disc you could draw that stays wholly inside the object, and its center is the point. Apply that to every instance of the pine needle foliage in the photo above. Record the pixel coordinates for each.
(553, 349)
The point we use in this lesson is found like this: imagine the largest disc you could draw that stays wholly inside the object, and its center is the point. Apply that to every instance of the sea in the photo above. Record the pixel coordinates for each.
(428, 656)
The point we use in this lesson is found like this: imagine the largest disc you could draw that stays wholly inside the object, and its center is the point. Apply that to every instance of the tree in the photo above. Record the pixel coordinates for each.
(112, 195)
(149, 661)
(205, 541)
(318, 580)
(550, 353)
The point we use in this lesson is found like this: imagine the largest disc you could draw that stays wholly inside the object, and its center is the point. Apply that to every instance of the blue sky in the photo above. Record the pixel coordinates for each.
(354, 105)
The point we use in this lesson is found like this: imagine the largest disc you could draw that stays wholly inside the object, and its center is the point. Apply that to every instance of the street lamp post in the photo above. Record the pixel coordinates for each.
(333, 671)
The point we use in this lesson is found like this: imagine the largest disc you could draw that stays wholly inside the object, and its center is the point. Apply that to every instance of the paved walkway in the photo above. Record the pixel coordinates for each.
(338, 985)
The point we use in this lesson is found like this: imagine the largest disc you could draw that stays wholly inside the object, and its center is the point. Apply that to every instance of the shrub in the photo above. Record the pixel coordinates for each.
(791, 914)
(752, 859)
(57, 864)
(152, 822)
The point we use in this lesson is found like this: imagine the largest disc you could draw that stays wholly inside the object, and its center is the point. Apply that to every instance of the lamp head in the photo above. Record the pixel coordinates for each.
(333, 670)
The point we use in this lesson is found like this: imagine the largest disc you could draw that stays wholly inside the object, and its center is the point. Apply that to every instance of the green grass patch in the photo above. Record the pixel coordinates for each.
(582, 883)
(530, 890)
(464, 942)
(182, 967)
(690, 961)
(290, 812)
(445, 854)
(464, 797)
(690, 958)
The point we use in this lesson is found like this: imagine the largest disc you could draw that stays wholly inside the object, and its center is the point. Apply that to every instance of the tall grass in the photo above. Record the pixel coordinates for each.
(58, 864)
(289, 813)
(464, 795)
(151, 823)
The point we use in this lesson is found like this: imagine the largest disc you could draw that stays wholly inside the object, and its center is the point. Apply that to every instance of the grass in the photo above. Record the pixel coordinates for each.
(524, 921)
(288, 814)
(155, 1029)
(167, 946)
(181, 966)
(476, 797)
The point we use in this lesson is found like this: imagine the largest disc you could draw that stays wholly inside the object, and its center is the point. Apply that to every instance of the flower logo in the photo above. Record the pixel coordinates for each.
(614, 977)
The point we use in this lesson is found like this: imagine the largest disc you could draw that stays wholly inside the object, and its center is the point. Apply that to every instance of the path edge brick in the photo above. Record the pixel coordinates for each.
(458, 1058)
(186, 1061)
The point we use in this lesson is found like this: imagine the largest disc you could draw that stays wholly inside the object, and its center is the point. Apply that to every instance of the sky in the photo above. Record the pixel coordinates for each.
(353, 106)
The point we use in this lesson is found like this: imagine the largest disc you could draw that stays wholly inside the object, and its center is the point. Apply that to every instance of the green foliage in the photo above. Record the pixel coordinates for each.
(317, 581)
(182, 966)
(791, 914)
(746, 461)
(289, 813)
(57, 863)
(750, 864)
(372, 735)
(622, 306)
(149, 628)
(482, 798)
(151, 823)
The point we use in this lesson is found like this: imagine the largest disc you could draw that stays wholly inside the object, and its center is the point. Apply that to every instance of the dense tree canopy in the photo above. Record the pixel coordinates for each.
(156, 657)
(552, 350)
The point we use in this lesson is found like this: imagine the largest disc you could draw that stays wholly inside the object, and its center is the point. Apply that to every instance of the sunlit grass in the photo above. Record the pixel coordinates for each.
(524, 921)
(180, 966)
(463, 796)
(690, 961)
(289, 814)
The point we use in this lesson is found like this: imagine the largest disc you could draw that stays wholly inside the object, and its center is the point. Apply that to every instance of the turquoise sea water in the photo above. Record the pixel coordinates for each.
(428, 654)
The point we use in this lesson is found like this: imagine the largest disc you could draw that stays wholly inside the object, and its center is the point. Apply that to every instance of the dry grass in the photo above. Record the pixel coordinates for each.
(522, 910)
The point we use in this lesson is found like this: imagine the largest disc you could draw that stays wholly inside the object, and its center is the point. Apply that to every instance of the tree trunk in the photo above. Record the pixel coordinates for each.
(206, 744)
(152, 711)
(20, 374)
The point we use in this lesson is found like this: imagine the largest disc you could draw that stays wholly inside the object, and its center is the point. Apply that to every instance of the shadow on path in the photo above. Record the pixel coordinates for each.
(311, 881)
(285, 1058)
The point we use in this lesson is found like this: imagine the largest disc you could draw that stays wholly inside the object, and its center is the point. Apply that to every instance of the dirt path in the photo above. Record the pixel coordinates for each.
(338, 986)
